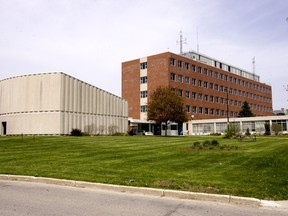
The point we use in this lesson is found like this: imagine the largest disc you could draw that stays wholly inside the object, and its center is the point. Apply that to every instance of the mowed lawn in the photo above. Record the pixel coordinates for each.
(251, 169)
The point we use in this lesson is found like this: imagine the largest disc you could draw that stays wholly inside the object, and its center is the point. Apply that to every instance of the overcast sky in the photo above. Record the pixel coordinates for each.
(88, 39)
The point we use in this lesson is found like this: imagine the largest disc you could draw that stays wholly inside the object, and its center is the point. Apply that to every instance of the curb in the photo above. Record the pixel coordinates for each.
(144, 191)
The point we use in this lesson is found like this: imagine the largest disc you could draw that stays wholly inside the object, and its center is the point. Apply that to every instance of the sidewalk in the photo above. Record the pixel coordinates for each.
(152, 191)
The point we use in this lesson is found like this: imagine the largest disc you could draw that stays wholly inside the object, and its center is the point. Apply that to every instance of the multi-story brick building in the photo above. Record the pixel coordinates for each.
(205, 84)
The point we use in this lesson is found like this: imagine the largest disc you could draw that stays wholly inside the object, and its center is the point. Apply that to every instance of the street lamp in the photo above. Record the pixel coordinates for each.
(227, 108)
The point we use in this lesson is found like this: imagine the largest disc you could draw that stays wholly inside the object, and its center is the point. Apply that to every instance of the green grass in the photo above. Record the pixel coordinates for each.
(251, 169)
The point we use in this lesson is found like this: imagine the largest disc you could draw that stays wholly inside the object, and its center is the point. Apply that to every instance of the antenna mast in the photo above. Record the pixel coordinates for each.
(197, 41)
(253, 62)
(181, 42)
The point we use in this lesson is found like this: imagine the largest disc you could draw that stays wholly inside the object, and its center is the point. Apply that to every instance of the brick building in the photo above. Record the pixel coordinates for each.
(204, 83)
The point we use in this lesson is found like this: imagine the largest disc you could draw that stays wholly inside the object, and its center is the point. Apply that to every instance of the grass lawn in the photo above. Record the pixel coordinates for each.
(251, 169)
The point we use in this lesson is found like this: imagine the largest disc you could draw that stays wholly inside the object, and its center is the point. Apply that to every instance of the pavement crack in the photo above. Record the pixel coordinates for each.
(173, 210)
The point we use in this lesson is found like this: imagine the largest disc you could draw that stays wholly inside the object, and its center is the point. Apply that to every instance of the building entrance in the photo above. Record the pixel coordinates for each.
(4, 128)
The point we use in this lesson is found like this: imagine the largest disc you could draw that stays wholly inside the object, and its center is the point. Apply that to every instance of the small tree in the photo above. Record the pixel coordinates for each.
(267, 129)
(276, 128)
(245, 110)
(232, 130)
(164, 105)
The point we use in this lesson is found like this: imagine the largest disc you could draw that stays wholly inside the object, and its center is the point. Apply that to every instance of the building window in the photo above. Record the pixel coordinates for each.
(206, 111)
(211, 112)
(180, 64)
(221, 88)
(187, 108)
(187, 94)
(205, 84)
(194, 109)
(173, 76)
(211, 73)
(194, 95)
(180, 92)
(216, 75)
(143, 108)
(200, 70)
(194, 68)
(212, 99)
(200, 96)
(187, 66)
(205, 71)
(221, 76)
(193, 81)
(200, 83)
(143, 79)
(143, 65)
(172, 61)
(206, 97)
(143, 94)
(216, 87)
(222, 113)
(211, 86)
(180, 78)
(200, 110)
(217, 99)
(222, 100)
(217, 112)
(187, 80)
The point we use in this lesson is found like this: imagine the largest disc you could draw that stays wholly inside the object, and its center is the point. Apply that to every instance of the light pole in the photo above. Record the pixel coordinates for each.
(227, 108)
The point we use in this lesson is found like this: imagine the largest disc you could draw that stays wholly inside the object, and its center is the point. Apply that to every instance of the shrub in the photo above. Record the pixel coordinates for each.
(276, 128)
(214, 143)
(247, 133)
(85, 134)
(232, 131)
(206, 143)
(76, 132)
(196, 144)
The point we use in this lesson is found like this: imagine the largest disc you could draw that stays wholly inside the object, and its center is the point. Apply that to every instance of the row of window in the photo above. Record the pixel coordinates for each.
(218, 75)
(207, 111)
(221, 88)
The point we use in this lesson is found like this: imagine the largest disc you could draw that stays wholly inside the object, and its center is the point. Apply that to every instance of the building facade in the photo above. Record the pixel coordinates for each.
(206, 85)
(255, 125)
(56, 103)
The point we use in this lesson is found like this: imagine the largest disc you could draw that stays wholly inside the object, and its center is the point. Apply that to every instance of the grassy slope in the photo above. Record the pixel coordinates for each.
(256, 169)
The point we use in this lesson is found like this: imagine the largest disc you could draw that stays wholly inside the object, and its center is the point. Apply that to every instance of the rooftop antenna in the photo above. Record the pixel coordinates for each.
(253, 62)
(181, 42)
(197, 41)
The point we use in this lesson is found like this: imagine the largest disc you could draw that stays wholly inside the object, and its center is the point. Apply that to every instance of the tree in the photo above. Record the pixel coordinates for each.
(245, 110)
(164, 105)
(276, 128)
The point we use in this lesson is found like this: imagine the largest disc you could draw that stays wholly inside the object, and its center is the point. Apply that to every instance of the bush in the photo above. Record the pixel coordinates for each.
(85, 134)
(216, 134)
(247, 133)
(76, 132)
(276, 128)
(232, 131)
(206, 143)
(214, 143)
(196, 144)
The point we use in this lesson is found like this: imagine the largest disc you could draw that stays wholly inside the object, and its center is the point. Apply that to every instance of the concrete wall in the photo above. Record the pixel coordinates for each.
(54, 103)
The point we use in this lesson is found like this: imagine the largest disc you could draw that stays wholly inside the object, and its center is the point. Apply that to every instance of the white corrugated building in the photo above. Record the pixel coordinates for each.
(55, 103)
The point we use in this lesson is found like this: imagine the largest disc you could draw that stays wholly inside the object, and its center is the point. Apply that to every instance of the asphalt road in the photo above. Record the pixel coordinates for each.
(24, 198)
